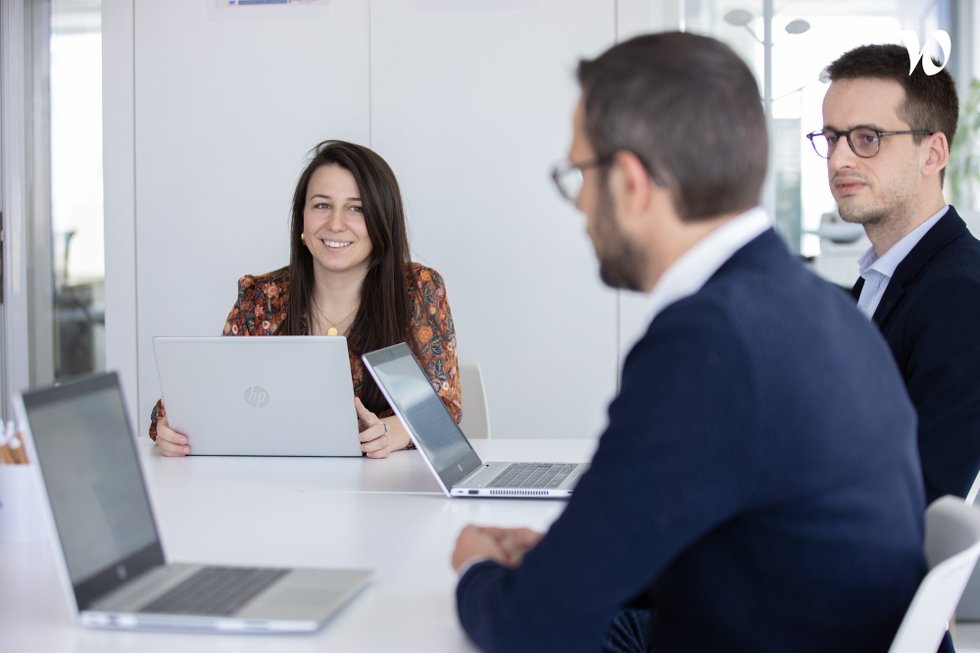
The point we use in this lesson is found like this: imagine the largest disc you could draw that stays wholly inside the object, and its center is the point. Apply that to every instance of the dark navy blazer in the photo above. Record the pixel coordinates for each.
(757, 485)
(930, 316)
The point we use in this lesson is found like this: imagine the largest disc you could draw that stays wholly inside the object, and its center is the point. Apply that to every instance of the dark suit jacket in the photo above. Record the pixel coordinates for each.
(930, 316)
(757, 485)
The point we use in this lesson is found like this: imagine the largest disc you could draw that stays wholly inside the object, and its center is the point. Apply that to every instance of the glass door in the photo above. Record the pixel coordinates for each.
(77, 265)
(52, 316)
(15, 81)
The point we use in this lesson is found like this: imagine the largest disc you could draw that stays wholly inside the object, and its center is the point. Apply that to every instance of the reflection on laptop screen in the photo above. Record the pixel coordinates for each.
(97, 495)
(436, 431)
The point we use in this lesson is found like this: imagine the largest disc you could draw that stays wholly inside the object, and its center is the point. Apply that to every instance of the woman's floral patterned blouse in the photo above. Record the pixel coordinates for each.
(261, 308)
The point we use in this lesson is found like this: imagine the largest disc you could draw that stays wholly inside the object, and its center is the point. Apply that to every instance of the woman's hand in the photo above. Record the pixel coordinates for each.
(379, 437)
(171, 442)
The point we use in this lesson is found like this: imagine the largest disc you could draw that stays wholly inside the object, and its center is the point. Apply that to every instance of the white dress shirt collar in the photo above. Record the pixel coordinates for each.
(695, 266)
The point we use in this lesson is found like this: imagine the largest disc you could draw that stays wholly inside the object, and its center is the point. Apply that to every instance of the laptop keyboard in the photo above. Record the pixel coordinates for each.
(533, 475)
(217, 591)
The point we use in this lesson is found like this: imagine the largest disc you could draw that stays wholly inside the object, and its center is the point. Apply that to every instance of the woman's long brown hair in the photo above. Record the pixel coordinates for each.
(383, 316)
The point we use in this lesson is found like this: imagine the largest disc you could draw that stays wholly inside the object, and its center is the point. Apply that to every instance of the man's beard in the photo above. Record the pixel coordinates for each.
(887, 203)
(621, 263)
(862, 215)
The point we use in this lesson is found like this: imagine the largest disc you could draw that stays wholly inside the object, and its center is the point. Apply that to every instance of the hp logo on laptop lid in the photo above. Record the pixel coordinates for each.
(256, 396)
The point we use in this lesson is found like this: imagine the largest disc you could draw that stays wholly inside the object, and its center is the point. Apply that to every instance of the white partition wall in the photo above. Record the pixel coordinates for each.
(119, 182)
(470, 102)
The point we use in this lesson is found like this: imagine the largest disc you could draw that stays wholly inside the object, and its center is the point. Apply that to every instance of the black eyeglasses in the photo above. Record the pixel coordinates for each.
(568, 176)
(864, 141)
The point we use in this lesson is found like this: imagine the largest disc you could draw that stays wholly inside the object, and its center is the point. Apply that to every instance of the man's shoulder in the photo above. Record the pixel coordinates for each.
(948, 249)
(764, 279)
(710, 320)
(961, 252)
(777, 312)
(952, 268)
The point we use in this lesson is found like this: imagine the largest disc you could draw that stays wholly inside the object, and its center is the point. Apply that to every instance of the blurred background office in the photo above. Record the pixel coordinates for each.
(149, 148)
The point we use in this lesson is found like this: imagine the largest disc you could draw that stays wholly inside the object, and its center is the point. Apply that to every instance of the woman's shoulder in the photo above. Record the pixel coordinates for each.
(270, 284)
(422, 276)
(261, 304)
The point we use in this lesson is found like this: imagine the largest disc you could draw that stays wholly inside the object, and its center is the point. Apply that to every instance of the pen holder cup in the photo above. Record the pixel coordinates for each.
(21, 515)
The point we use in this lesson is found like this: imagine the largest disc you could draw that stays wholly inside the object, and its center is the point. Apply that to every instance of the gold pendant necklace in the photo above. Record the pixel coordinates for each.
(331, 324)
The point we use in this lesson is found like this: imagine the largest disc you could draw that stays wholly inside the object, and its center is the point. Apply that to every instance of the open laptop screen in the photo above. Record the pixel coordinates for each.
(87, 456)
(435, 431)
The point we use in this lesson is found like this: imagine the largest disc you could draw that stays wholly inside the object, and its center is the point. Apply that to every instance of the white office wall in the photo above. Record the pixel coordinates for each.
(119, 193)
(227, 103)
(469, 102)
(471, 105)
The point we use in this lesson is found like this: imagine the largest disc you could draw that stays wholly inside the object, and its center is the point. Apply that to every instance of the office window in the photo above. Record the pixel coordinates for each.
(75, 120)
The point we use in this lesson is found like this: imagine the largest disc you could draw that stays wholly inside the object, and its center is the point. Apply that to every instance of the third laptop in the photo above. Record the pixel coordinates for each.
(446, 450)
(110, 546)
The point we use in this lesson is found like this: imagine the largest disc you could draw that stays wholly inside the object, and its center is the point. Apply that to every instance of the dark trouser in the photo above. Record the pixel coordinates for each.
(630, 633)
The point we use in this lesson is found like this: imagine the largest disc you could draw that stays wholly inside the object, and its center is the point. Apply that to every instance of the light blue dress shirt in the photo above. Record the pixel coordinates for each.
(877, 271)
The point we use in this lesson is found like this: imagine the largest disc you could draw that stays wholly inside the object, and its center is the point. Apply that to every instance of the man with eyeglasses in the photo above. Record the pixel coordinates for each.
(886, 137)
(742, 497)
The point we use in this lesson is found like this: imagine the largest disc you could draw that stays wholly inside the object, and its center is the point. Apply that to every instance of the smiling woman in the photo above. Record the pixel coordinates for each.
(333, 217)
(349, 274)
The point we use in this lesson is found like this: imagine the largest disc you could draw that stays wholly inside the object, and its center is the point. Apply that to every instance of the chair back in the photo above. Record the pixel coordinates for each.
(952, 548)
(971, 496)
(969, 606)
(476, 417)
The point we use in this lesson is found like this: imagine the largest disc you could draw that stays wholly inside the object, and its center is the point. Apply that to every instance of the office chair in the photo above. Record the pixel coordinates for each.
(971, 496)
(969, 606)
(952, 548)
(476, 418)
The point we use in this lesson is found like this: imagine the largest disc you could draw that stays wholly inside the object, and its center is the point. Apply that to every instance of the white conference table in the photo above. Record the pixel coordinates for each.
(388, 515)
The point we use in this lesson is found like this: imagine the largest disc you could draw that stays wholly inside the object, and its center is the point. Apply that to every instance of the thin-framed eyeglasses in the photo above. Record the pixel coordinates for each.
(864, 141)
(569, 177)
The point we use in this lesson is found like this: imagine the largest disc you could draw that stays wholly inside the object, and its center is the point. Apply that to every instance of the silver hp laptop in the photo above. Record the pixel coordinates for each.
(446, 450)
(108, 540)
(260, 396)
